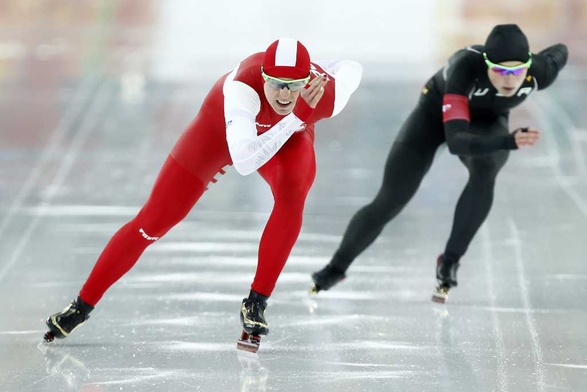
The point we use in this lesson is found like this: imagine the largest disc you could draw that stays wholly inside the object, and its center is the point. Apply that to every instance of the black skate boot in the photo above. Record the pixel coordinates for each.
(446, 275)
(326, 278)
(63, 323)
(253, 319)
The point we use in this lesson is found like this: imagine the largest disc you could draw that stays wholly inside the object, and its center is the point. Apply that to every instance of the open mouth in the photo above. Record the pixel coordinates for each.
(508, 91)
(283, 103)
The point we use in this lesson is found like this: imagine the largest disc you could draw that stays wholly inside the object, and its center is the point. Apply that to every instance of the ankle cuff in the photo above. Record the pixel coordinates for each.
(450, 258)
(83, 306)
(257, 296)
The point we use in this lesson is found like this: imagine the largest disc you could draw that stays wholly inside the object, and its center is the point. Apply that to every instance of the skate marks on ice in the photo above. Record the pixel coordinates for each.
(104, 367)
(65, 366)
(179, 364)
(502, 362)
(569, 366)
(196, 367)
(525, 296)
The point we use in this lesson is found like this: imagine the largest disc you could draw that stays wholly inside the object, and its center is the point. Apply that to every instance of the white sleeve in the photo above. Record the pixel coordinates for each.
(347, 74)
(248, 150)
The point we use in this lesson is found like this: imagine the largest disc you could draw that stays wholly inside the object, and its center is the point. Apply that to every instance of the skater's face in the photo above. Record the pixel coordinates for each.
(283, 93)
(508, 76)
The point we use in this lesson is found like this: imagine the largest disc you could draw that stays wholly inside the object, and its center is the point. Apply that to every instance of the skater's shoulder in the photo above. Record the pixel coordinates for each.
(470, 56)
(464, 67)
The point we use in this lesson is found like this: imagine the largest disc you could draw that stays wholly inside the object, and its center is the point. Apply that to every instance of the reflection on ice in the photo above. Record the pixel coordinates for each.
(196, 347)
(253, 375)
(62, 365)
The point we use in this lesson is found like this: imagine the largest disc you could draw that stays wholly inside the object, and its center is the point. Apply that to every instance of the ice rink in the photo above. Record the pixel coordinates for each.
(93, 95)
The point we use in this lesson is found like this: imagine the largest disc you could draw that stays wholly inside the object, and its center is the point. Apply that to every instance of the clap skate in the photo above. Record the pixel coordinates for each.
(446, 275)
(252, 317)
(63, 323)
(325, 279)
(249, 342)
(440, 294)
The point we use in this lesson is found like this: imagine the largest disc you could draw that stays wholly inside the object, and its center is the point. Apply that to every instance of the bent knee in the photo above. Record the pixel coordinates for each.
(292, 190)
(486, 168)
(150, 228)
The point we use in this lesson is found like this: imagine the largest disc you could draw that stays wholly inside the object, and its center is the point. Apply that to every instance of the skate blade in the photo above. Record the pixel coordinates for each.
(48, 337)
(249, 343)
(314, 289)
(438, 298)
(440, 295)
(247, 346)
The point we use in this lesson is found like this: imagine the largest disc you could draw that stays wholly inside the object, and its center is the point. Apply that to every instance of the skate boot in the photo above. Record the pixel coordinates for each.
(326, 278)
(446, 276)
(253, 319)
(63, 323)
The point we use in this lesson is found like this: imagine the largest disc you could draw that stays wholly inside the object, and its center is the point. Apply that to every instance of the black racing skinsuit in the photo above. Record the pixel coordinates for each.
(482, 144)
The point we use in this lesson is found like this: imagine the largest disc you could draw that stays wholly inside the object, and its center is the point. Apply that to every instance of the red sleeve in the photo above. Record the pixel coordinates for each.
(455, 107)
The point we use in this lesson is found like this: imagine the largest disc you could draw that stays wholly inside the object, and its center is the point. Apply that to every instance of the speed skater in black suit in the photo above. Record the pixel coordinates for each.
(466, 105)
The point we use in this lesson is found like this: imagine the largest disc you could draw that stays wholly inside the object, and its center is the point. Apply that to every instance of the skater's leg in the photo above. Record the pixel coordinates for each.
(476, 199)
(290, 174)
(471, 211)
(408, 162)
(404, 170)
(200, 153)
(175, 192)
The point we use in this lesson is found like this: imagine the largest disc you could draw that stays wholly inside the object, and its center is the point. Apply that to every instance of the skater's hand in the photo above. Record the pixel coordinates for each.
(314, 91)
(526, 137)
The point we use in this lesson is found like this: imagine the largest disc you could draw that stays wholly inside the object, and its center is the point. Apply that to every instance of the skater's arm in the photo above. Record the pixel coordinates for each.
(548, 63)
(347, 74)
(248, 150)
(461, 141)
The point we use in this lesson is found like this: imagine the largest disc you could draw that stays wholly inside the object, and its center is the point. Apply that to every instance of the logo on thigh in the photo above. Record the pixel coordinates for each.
(146, 236)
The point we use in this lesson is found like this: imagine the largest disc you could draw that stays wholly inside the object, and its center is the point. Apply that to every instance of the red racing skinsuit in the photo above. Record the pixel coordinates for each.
(235, 126)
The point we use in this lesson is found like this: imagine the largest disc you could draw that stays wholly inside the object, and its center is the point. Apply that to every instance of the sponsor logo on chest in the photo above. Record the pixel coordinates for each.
(481, 92)
(262, 128)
